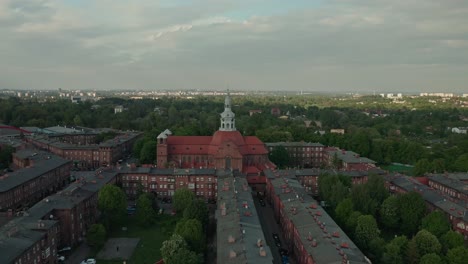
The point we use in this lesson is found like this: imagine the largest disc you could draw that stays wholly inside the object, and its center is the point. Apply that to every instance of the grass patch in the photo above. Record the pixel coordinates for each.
(400, 168)
(151, 239)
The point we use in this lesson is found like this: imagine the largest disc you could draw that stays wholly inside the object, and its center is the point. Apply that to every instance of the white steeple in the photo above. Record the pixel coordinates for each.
(228, 118)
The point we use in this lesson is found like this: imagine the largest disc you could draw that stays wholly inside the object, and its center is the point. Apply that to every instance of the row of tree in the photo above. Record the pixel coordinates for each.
(380, 223)
(187, 244)
(396, 135)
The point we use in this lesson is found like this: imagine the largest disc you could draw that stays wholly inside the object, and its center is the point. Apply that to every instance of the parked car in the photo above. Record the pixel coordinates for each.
(89, 261)
(60, 258)
(262, 202)
(276, 237)
(64, 249)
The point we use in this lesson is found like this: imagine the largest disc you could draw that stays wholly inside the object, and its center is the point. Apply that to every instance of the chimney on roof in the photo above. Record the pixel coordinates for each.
(314, 243)
(232, 254)
(259, 243)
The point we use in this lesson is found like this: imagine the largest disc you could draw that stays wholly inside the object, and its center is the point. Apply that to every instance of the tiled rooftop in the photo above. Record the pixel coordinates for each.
(349, 156)
(294, 144)
(450, 182)
(43, 162)
(321, 236)
(434, 197)
(19, 235)
(238, 226)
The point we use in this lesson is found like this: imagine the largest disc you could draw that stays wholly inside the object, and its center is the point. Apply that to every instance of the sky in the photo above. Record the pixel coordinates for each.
(280, 45)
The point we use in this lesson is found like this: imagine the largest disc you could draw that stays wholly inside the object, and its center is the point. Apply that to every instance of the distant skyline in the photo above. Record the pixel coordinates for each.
(310, 45)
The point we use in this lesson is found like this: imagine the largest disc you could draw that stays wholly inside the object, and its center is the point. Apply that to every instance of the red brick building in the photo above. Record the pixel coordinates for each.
(226, 149)
(164, 182)
(346, 160)
(309, 177)
(28, 240)
(311, 234)
(40, 174)
(456, 212)
(301, 154)
(450, 186)
(90, 156)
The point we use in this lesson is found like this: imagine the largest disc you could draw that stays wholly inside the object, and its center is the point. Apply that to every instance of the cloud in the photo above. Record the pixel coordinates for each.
(335, 44)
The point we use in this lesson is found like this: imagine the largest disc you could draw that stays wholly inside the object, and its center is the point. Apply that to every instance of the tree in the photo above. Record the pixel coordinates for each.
(175, 251)
(421, 167)
(332, 189)
(362, 200)
(183, 197)
(197, 209)
(427, 243)
(389, 212)
(395, 251)
(351, 223)
(96, 235)
(431, 258)
(148, 152)
(461, 163)
(412, 253)
(436, 223)
(457, 255)
(366, 230)
(192, 232)
(6, 153)
(451, 239)
(280, 156)
(145, 213)
(185, 256)
(438, 165)
(376, 249)
(376, 188)
(412, 209)
(113, 204)
(343, 210)
(136, 150)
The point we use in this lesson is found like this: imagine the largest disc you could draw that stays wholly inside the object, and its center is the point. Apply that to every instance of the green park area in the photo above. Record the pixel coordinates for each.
(151, 238)
(400, 168)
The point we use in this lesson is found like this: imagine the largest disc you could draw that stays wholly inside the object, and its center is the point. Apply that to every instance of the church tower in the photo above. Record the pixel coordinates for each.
(228, 118)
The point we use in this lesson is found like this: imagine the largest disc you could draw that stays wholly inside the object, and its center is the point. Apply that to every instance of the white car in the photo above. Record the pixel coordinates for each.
(61, 258)
(88, 261)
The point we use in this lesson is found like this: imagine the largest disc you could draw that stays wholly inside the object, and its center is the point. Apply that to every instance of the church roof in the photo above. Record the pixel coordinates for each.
(189, 140)
(223, 136)
(203, 145)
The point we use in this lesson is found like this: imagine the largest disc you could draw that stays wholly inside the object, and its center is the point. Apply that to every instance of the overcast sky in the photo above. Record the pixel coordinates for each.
(310, 45)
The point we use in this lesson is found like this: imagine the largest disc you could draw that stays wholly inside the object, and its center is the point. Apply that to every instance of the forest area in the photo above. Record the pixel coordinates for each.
(416, 133)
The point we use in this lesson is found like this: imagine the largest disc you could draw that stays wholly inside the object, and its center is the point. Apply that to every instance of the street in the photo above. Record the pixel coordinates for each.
(269, 226)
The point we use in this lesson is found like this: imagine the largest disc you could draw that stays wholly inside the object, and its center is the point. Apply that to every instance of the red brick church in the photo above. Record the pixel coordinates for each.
(226, 149)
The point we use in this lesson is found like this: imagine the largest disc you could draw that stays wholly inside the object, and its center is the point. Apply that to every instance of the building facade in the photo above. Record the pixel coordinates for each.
(42, 175)
(90, 156)
(301, 154)
(227, 149)
(311, 234)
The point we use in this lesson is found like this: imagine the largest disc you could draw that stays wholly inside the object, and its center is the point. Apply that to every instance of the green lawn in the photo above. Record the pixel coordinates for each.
(151, 239)
(407, 170)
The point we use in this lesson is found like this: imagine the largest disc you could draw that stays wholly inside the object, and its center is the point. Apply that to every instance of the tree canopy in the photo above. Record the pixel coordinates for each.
(436, 223)
(192, 232)
(145, 214)
(113, 203)
(96, 235)
(197, 209)
(175, 251)
(182, 198)
(412, 209)
(366, 230)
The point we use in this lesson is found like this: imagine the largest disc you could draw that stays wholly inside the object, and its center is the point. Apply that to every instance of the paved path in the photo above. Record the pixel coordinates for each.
(79, 254)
